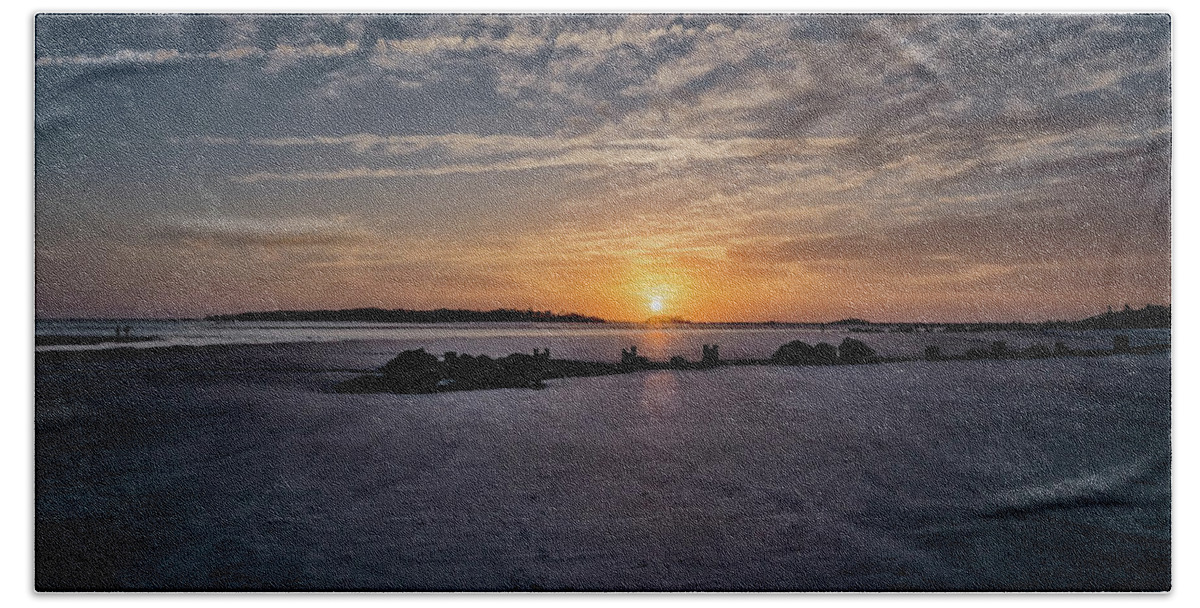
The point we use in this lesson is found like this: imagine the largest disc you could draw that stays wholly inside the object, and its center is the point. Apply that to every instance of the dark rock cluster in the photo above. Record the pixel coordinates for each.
(416, 371)
(850, 351)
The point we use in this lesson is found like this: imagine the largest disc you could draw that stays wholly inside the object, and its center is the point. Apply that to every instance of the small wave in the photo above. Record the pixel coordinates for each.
(1125, 484)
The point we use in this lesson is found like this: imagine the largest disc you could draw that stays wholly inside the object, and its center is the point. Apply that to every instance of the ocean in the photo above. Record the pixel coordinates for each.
(587, 341)
(229, 464)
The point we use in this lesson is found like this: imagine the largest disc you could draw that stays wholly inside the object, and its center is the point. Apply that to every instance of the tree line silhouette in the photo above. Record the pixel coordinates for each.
(441, 315)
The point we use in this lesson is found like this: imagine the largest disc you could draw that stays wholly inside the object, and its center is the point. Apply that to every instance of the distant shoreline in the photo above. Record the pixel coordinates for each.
(1149, 317)
(441, 315)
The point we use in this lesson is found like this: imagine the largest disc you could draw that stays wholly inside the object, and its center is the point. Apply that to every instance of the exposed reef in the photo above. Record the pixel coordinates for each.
(416, 371)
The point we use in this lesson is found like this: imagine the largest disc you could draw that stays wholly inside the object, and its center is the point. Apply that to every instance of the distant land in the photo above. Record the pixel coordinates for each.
(441, 315)
(1150, 317)
(666, 320)
(1146, 318)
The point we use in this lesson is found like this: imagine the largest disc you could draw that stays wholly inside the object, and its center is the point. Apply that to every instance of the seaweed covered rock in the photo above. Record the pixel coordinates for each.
(853, 351)
(797, 352)
(827, 354)
(416, 371)
(517, 370)
(411, 362)
(413, 371)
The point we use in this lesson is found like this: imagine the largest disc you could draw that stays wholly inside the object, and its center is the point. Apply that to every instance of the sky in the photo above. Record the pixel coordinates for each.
(715, 167)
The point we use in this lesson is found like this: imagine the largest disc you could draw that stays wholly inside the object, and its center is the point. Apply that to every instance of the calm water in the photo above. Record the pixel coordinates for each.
(239, 469)
(567, 340)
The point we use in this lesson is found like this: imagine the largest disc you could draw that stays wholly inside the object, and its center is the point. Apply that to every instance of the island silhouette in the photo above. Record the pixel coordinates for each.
(440, 315)
(1150, 317)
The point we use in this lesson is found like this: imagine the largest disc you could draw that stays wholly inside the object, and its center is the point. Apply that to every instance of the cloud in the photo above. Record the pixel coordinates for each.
(505, 153)
(887, 148)
(994, 240)
(251, 232)
(282, 54)
(125, 56)
(391, 53)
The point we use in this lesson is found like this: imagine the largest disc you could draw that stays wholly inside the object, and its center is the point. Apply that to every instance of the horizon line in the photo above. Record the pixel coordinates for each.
(648, 321)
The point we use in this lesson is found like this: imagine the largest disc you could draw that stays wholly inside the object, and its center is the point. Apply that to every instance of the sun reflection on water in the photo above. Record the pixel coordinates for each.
(660, 392)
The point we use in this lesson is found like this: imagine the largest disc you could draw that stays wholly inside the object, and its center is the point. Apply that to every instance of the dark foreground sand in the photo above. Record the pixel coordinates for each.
(237, 468)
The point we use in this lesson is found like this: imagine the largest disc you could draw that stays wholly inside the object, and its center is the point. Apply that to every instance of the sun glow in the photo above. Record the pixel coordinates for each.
(656, 290)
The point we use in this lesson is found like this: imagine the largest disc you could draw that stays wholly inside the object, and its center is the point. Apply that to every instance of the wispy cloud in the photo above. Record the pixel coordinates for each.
(282, 53)
(120, 57)
(514, 153)
(275, 232)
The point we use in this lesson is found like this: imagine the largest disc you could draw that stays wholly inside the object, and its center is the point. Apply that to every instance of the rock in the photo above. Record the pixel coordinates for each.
(826, 354)
(853, 351)
(413, 371)
(409, 361)
(797, 352)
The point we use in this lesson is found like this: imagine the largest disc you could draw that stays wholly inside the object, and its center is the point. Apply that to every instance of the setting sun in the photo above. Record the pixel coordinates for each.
(657, 286)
